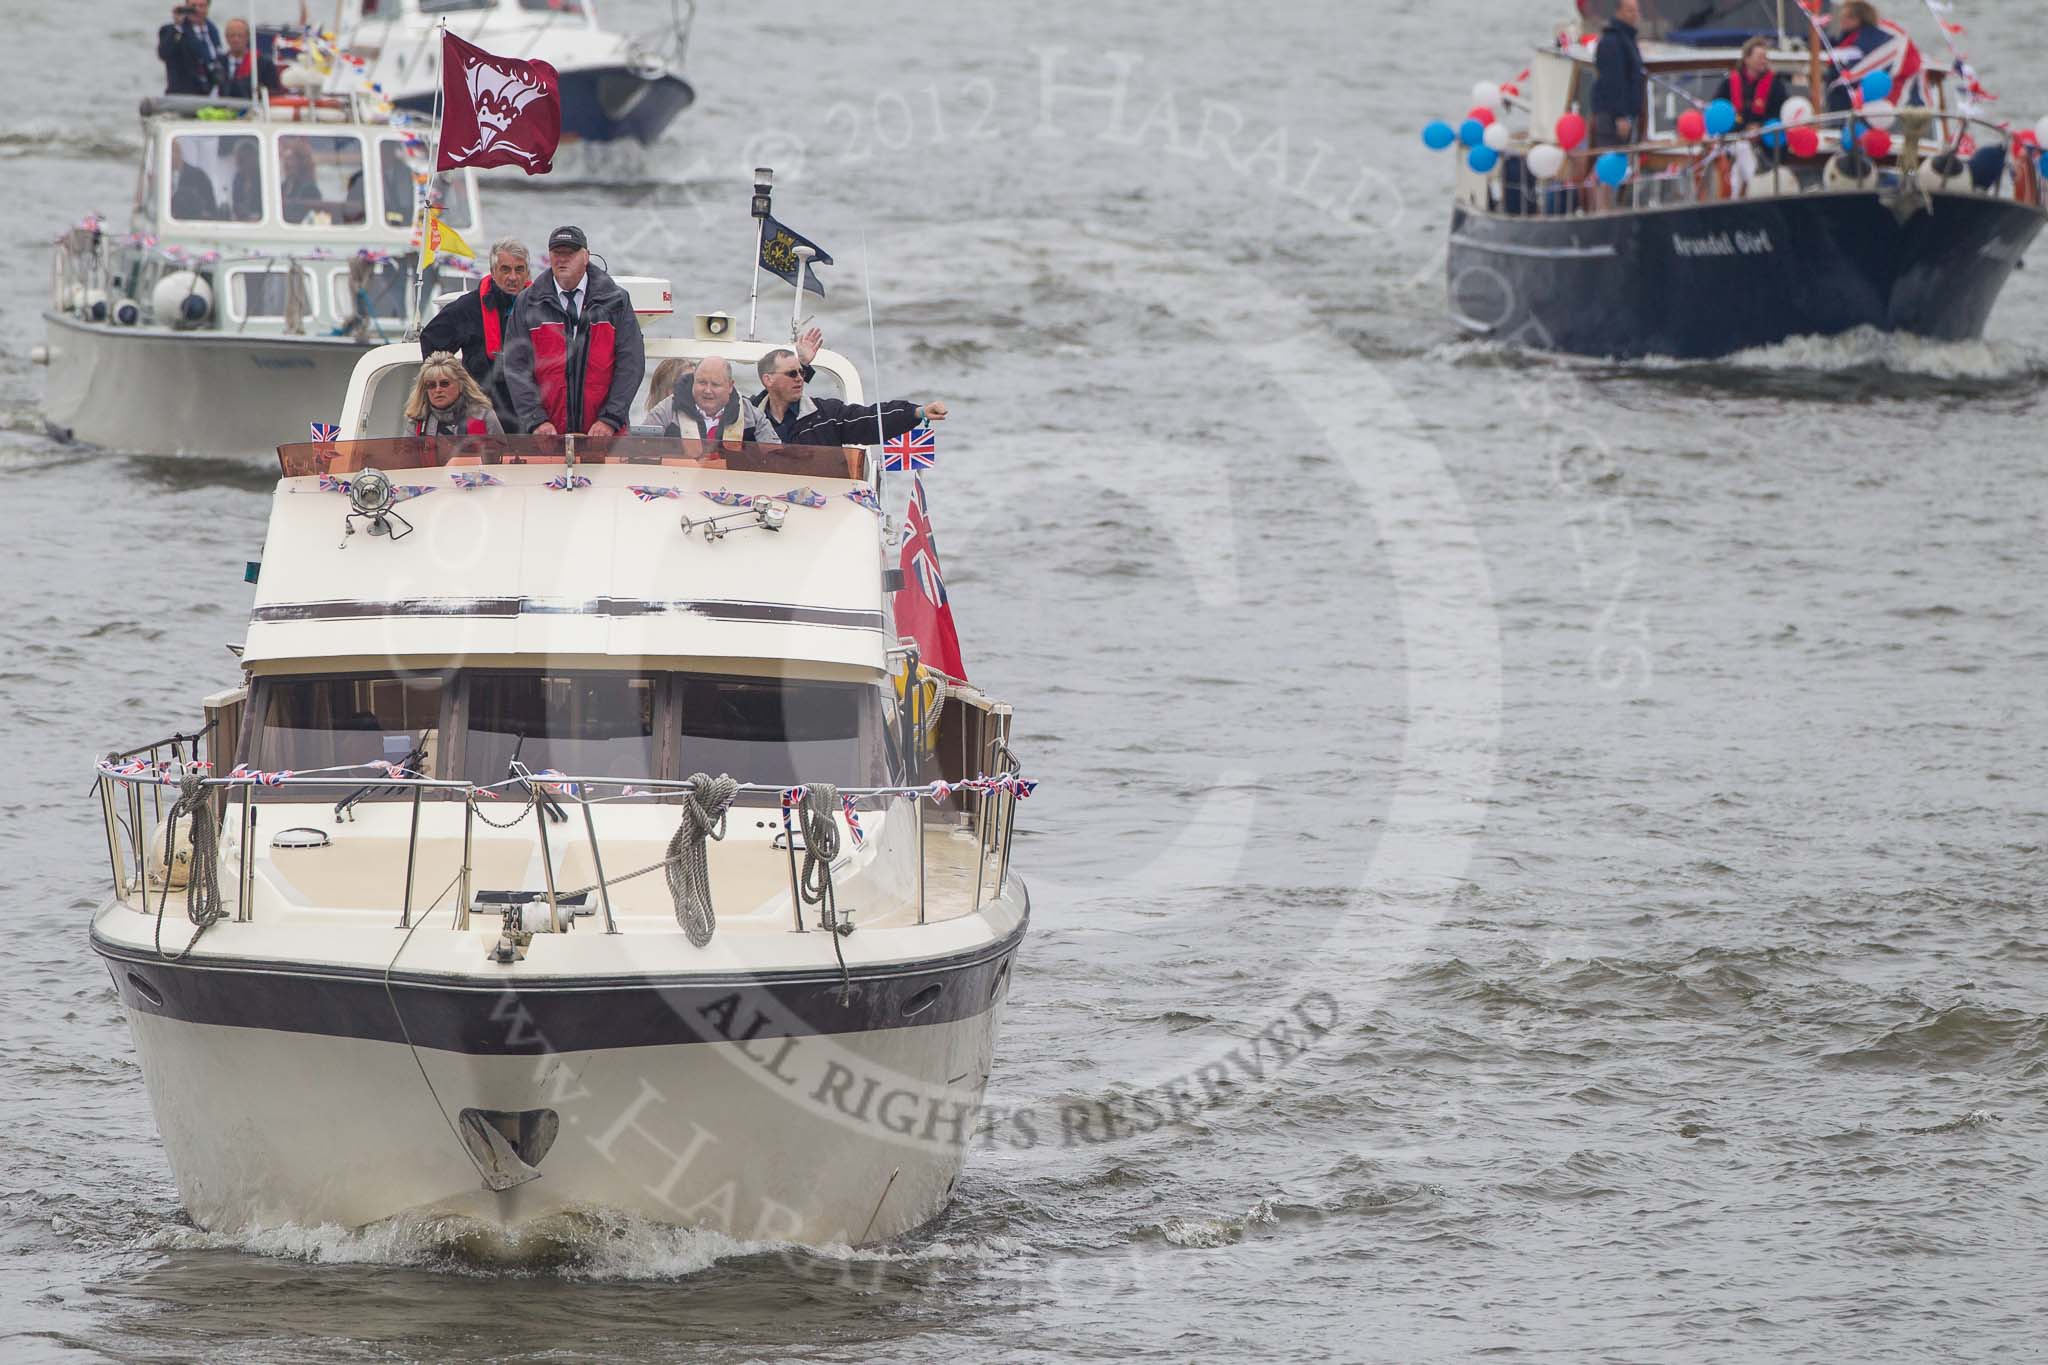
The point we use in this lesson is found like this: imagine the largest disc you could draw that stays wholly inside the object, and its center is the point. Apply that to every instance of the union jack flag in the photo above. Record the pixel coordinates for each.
(917, 448)
(326, 431)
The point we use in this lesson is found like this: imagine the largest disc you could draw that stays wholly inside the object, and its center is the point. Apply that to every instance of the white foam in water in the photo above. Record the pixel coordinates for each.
(589, 1246)
(1867, 348)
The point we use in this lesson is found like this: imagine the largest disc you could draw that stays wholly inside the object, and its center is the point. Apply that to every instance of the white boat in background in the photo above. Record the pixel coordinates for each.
(442, 940)
(269, 248)
(614, 87)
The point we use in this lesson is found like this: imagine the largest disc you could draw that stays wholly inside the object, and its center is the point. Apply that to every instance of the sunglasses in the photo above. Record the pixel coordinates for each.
(787, 374)
(443, 384)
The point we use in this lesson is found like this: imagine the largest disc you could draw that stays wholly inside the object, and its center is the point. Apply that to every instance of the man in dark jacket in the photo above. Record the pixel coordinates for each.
(793, 417)
(478, 324)
(190, 48)
(575, 356)
(1620, 82)
(238, 63)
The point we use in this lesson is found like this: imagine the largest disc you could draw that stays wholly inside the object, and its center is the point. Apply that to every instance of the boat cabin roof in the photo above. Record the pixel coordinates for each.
(527, 551)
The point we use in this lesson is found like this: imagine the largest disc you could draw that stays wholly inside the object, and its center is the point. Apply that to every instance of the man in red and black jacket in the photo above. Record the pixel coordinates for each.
(575, 356)
(477, 326)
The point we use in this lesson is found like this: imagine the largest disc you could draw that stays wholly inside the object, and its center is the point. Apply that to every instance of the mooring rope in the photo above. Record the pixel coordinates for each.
(689, 860)
(816, 815)
(202, 880)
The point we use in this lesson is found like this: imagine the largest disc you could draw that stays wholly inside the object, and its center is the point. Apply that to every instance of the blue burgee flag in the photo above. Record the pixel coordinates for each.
(778, 254)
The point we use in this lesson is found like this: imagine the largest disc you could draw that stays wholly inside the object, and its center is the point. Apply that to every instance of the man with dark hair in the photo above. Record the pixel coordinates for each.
(190, 48)
(793, 417)
(575, 356)
(1620, 86)
(478, 324)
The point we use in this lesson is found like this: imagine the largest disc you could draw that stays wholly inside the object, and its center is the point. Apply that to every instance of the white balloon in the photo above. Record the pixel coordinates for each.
(1880, 114)
(1798, 109)
(1497, 136)
(1545, 161)
(1486, 95)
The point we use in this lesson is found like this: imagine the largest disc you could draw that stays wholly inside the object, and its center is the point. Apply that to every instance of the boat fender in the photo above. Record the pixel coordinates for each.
(180, 869)
(1947, 172)
(1779, 182)
(92, 305)
(182, 298)
(38, 355)
(127, 313)
(1850, 171)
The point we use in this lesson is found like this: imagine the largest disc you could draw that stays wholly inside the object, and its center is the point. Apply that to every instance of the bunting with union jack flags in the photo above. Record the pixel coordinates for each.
(917, 448)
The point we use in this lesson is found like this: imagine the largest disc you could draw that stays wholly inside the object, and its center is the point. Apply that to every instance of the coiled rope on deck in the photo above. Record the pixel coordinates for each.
(202, 881)
(689, 860)
(816, 812)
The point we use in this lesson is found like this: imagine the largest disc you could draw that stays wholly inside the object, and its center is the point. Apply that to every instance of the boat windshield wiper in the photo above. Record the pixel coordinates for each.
(414, 761)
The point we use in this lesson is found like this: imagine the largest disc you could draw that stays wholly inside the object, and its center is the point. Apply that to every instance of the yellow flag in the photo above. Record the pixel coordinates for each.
(442, 240)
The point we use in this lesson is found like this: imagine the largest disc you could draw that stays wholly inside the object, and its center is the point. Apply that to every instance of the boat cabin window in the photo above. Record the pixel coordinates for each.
(456, 6)
(781, 731)
(386, 294)
(569, 7)
(305, 723)
(216, 178)
(320, 179)
(261, 294)
(591, 724)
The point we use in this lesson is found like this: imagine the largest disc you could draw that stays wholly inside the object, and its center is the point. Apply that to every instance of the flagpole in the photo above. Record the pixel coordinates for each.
(875, 355)
(764, 191)
(422, 216)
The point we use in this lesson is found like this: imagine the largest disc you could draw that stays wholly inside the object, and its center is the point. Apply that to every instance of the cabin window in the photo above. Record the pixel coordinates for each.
(307, 723)
(261, 295)
(216, 178)
(592, 724)
(386, 294)
(455, 6)
(570, 7)
(320, 179)
(780, 732)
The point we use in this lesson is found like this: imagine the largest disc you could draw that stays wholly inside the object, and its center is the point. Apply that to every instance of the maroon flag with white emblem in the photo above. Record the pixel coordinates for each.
(496, 111)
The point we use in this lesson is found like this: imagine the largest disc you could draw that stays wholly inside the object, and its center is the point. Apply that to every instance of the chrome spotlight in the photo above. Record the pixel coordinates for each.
(372, 497)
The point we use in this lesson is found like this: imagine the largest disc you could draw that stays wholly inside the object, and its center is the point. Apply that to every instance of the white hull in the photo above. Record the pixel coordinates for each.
(267, 1129)
(153, 391)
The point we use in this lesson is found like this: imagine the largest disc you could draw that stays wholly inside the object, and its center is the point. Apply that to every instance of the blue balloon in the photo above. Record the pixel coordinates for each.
(1612, 168)
(1721, 119)
(1877, 85)
(1472, 133)
(1438, 135)
(1774, 135)
(1482, 159)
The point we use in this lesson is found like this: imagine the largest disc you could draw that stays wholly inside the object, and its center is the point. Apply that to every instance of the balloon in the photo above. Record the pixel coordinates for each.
(1497, 137)
(1774, 135)
(1571, 130)
(1545, 161)
(1692, 126)
(1486, 94)
(1611, 168)
(1877, 143)
(1880, 113)
(1803, 141)
(1721, 119)
(1797, 110)
(1877, 85)
(1483, 113)
(1472, 132)
(1482, 159)
(1438, 135)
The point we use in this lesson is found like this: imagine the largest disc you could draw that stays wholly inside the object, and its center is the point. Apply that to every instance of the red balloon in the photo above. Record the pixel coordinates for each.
(1803, 141)
(1877, 144)
(1571, 131)
(1483, 114)
(1692, 126)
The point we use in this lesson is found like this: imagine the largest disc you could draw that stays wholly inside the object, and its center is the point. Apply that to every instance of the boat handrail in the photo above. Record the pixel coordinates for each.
(393, 453)
(1690, 161)
(994, 816)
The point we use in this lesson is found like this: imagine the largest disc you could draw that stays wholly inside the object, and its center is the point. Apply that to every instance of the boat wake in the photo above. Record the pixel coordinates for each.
(591, 1245)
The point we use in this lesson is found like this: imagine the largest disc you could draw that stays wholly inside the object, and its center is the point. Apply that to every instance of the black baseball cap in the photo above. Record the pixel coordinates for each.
(568, 236)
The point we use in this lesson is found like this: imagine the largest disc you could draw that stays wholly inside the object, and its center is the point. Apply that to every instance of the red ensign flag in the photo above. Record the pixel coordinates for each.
(496, 111)
(922, 611)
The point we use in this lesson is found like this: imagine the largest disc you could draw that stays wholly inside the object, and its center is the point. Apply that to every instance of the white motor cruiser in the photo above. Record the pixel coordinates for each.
(439, 914)
(270, 247)
(614, 87)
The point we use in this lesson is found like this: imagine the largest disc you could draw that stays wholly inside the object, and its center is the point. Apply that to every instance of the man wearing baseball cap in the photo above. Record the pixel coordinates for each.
(574, 358)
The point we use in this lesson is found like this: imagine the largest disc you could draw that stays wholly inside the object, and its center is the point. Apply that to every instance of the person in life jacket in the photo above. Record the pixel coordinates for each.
(575, 355)
(707, 405)
(446, 401)
(236, 67)
(477, 325)
(1757, 92)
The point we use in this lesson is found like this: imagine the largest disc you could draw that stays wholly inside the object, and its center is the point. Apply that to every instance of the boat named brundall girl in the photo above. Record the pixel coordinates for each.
(581, 842)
